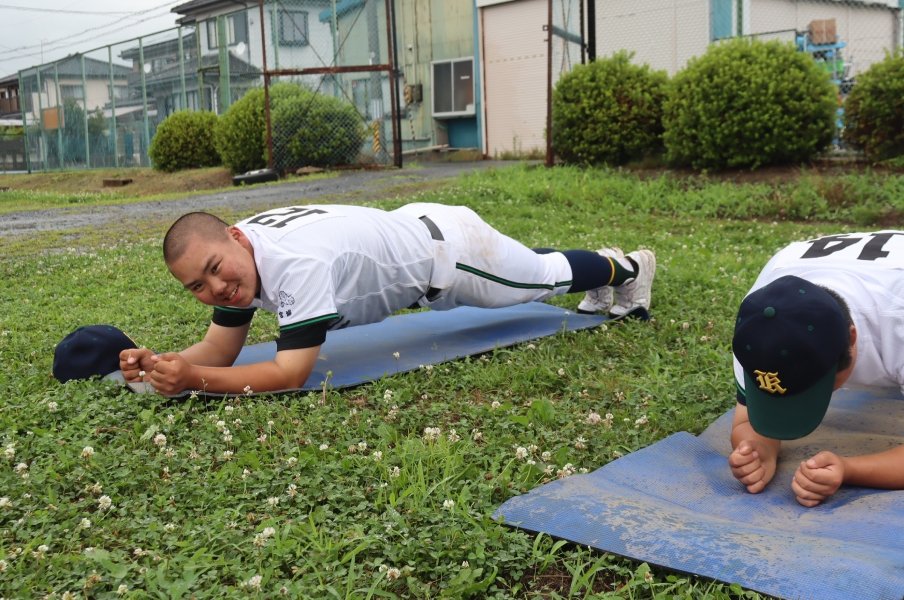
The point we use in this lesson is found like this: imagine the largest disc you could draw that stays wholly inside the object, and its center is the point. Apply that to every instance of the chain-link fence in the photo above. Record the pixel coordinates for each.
(332, 98)
(844, 37)
(326, 68)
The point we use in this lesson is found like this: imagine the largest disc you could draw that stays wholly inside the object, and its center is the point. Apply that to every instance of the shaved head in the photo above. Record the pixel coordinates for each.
(194, 224)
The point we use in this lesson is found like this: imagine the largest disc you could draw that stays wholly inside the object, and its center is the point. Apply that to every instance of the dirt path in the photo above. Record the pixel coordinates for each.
(348, 186)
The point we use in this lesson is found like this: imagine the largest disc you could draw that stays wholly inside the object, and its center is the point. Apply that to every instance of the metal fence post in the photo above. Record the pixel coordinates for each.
(113, 108)
(85, 119)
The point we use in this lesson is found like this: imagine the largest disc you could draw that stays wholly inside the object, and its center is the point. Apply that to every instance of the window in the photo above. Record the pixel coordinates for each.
(73, 91)
(119, 92)
(293, 27)
(236, 30)
(453, 88)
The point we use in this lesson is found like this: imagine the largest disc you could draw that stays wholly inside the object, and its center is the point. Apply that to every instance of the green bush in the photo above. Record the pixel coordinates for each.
(311, 129)
(747, 103)
(184, 140)
(874, 110)
(308, 129)
(608, 111)
(239, 134)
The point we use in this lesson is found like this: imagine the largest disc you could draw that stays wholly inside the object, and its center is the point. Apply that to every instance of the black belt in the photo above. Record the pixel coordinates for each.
(435, 233)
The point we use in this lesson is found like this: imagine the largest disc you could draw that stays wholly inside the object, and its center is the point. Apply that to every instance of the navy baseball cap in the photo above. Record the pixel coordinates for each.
(89, 351)
(789, 338)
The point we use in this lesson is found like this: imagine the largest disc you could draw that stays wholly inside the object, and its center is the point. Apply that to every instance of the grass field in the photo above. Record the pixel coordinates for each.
(385, 490)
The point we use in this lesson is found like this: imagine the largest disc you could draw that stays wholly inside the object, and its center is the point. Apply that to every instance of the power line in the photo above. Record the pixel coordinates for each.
(61, 11)
(54, 44)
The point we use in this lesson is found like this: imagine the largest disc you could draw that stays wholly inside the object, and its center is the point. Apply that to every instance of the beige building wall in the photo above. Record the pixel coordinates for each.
(662, 33)
(513, 51)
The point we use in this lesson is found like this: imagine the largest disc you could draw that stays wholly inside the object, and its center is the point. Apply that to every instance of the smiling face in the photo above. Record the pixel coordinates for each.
(218, 272)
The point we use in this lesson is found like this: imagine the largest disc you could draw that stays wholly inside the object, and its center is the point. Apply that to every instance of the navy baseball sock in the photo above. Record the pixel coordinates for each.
(589, 270)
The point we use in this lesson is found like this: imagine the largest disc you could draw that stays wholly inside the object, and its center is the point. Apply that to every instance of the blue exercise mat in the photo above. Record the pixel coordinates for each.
(675, 504)
(408, 341)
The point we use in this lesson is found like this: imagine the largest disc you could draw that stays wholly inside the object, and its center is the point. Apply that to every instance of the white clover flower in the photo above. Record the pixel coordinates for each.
(273, 500)
(362, 446)
(292, 461)
(387, 395)
(561, 372)
(448, 504)
(269, 532)
(104, 502)
(641, 421)
(122, 590)
(160, 440)
(520, 452)
(377, 455)
(227, 454)
(393, 573)
(495, 404)
(5, 502)
(52, 406)
(395, 472)
(227, 436)
(67, 595)
(87, 452)
(229, 408)
(453, 436)
(431, 433)
(43, 548)
(170, 418)
(254, 583)
(9, 452)
(170, 453)
(262, 438)
(546, 456)
(476, 435)
(580, 443)
(3, 565)
(21, 468)
(245, 473)
(292, 490)
(465, 564)
(593, 418)
(169, 527)
(531, 461)
(85, 523)
(531, 347)
(96, 489)
(566, 471)
(428, 368)
(270, 424)
(221, 425)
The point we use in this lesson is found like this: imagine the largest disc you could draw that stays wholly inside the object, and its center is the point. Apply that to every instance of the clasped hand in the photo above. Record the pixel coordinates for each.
(168, 372)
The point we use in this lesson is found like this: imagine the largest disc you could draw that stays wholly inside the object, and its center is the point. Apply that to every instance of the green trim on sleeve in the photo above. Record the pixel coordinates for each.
(321, 319)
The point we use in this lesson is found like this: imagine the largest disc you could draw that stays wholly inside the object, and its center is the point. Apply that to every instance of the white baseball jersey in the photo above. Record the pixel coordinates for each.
(349, 265)
(867, 270)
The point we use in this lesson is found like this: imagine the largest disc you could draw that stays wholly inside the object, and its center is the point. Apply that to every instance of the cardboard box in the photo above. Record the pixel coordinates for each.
(822, 31)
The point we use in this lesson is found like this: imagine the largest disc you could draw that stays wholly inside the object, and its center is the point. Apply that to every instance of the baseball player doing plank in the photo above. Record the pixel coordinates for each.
(823, 314)
(321, 268)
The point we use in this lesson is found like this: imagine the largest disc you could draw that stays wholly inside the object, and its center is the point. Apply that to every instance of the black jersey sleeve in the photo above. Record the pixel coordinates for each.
(232, 317)
(305, 335)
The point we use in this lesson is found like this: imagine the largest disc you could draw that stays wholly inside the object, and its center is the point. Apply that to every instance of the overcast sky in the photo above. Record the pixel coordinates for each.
(33, 32)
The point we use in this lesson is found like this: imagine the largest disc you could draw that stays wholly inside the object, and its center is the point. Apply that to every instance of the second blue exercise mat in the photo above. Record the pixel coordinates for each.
(405, 342)
(675, 504)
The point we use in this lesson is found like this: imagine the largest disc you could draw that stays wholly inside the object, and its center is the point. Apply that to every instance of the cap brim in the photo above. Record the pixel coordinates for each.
(788, 417)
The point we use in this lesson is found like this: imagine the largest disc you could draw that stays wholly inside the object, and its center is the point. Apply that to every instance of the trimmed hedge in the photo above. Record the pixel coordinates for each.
(184, 140)
(608, 111)
(308, 129)
(748, 103)
(874, 110)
